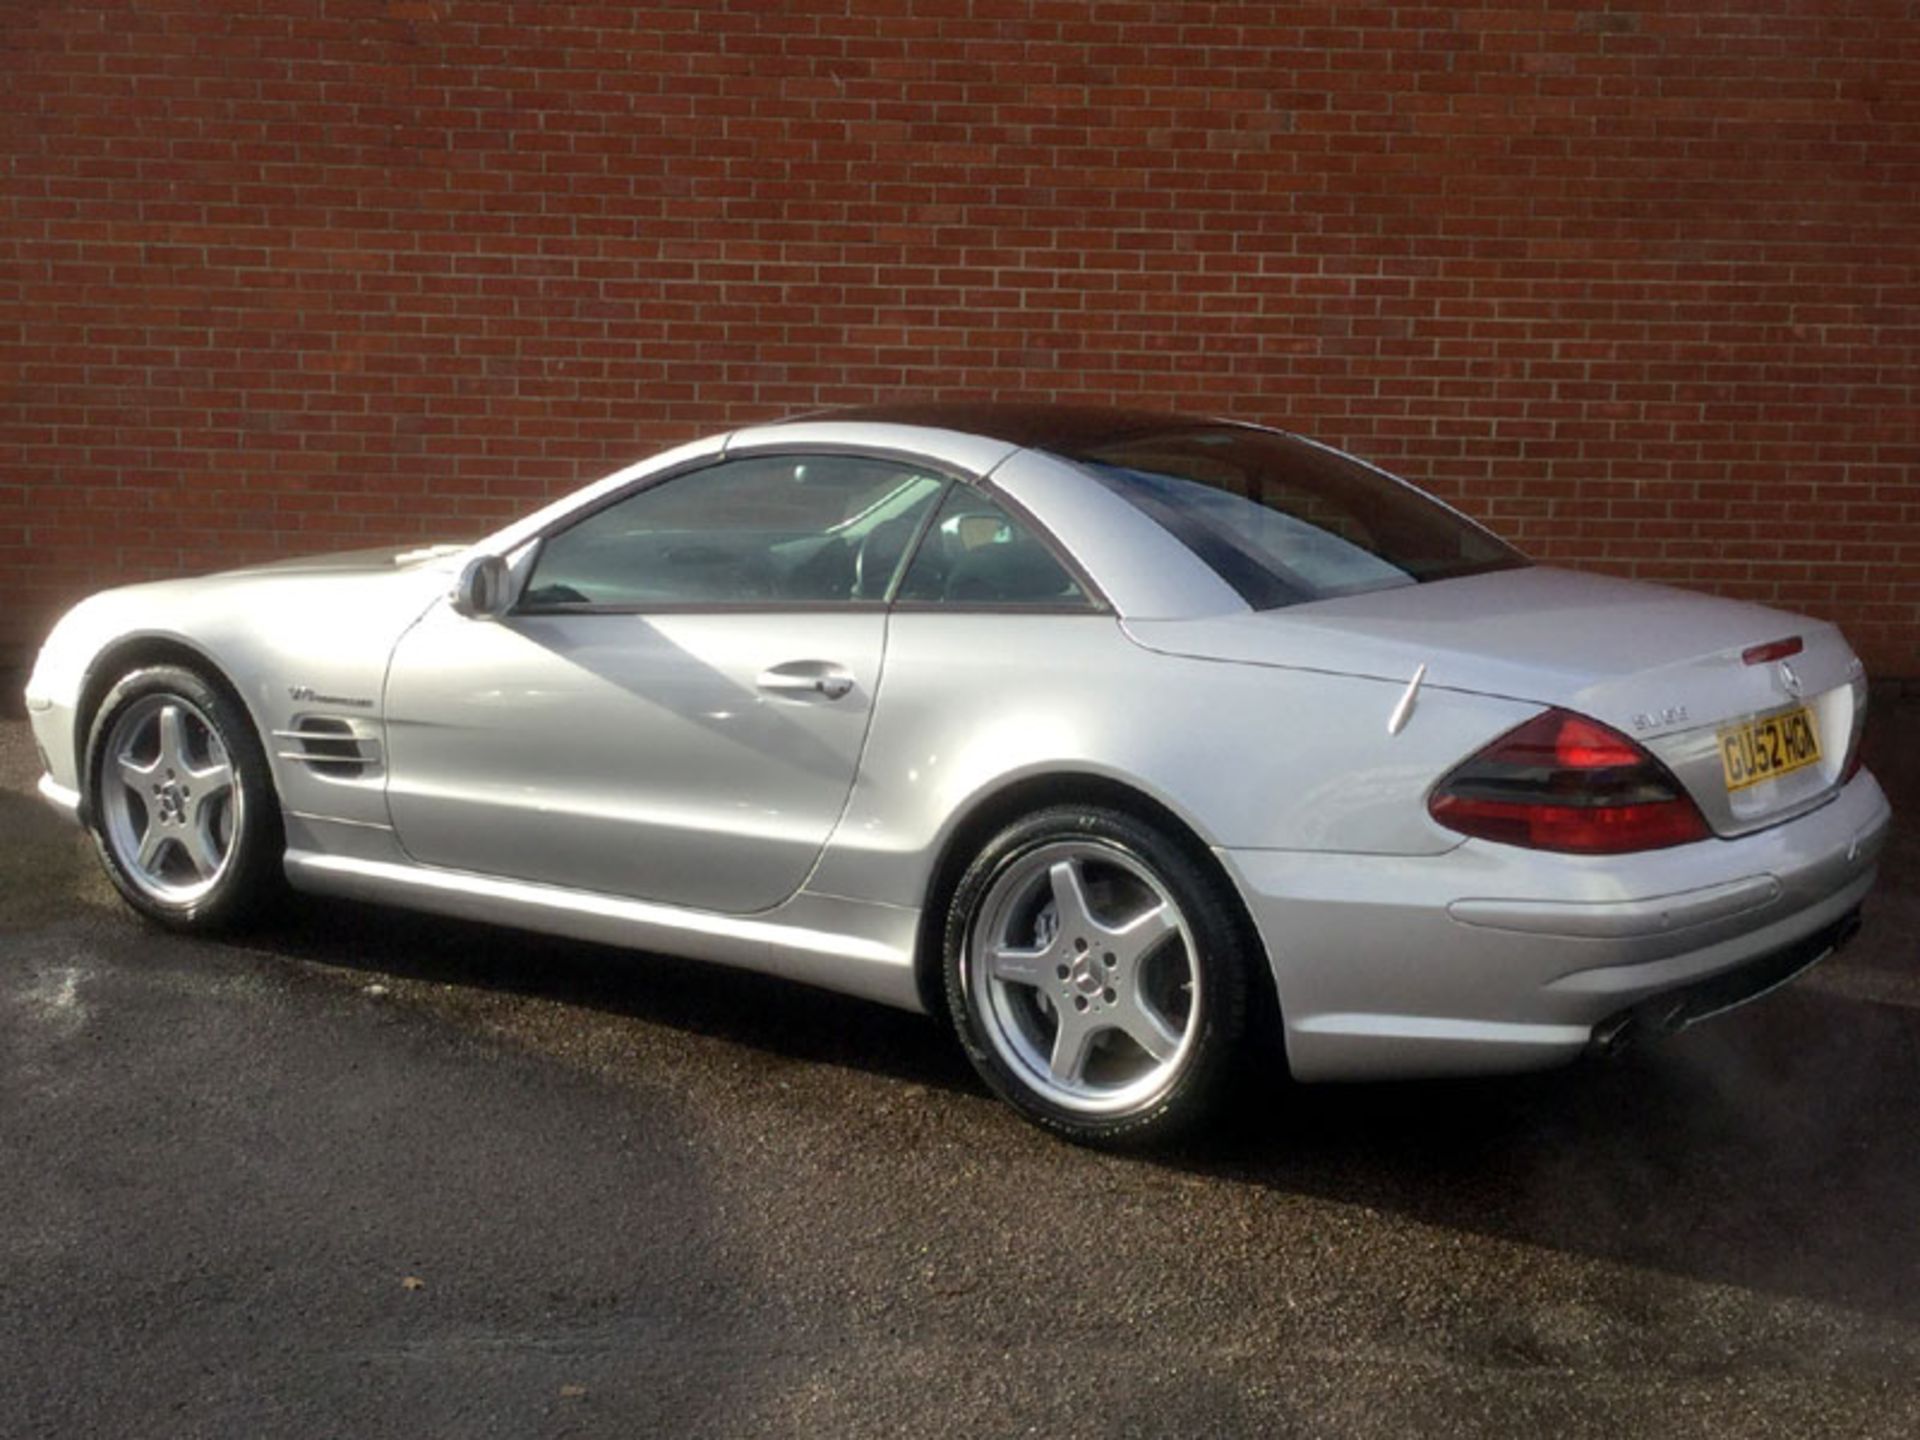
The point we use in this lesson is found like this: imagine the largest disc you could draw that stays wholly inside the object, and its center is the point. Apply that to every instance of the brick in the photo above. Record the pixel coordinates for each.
(1619, 280)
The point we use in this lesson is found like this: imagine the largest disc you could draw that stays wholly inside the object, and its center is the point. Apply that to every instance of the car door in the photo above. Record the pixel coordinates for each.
(674, 709)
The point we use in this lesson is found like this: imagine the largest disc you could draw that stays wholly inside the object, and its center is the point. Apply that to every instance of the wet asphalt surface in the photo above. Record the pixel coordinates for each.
(370, 1174)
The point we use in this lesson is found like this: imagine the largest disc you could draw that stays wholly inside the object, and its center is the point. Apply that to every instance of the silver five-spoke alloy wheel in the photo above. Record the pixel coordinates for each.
(169, 804)
(1080, 967)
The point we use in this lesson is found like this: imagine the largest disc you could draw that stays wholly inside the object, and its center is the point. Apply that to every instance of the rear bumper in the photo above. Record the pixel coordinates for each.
(1491, 958)
(1675, 1010)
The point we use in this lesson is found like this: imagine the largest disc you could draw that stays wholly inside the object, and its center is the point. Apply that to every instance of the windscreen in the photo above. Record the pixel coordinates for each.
(1284, 521)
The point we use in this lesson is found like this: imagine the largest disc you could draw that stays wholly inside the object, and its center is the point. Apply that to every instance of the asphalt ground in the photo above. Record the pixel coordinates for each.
(373, 1174)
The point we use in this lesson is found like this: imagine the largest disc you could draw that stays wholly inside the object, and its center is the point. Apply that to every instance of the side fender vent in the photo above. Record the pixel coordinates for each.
(331, 747)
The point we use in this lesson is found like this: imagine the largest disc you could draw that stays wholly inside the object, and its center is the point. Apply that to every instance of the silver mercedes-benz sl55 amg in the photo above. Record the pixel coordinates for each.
(1121, 740)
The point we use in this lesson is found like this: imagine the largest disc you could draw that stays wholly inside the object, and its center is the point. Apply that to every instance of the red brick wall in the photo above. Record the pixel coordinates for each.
(1636, 282)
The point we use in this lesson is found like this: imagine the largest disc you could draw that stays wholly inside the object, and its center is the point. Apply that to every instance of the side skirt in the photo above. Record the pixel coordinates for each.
(853, 946)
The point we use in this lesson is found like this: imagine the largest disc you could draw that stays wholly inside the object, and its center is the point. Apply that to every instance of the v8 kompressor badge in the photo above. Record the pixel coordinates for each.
(307, 695)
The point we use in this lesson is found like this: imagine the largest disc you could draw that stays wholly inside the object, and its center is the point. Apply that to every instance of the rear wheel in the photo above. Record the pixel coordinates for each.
(1096, 976)
(182, 806)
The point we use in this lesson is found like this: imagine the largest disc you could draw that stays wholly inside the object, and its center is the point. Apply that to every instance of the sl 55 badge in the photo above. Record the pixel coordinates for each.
(1653, 720)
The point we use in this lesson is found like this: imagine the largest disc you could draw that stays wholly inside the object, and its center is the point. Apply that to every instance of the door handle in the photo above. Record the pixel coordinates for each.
(807, 677)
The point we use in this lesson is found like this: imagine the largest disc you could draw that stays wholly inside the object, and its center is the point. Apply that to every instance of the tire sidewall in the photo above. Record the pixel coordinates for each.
(253, 874)
(1220, 956)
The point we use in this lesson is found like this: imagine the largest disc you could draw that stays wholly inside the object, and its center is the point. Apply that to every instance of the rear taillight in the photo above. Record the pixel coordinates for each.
(1564, 782)
(1857, 751)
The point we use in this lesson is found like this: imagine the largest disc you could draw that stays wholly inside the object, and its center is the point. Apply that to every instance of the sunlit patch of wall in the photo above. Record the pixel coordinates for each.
(1636, 283)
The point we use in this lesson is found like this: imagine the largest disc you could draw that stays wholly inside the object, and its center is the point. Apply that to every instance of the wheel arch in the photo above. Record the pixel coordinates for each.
(138, 652)
(991, 811)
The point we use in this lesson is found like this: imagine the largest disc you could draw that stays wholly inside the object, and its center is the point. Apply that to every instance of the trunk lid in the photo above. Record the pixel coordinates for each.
(1664, 666)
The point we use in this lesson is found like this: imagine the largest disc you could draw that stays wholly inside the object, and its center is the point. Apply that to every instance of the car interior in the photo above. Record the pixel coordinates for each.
(973, 554)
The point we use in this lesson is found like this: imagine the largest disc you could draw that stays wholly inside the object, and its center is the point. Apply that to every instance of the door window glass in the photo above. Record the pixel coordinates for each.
(785, 529)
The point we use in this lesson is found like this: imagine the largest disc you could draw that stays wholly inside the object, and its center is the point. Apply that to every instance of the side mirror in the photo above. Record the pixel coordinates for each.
(484, 590)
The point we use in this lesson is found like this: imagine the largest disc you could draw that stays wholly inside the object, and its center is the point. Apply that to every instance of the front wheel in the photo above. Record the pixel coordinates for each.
(1096, 976)
(182, 804)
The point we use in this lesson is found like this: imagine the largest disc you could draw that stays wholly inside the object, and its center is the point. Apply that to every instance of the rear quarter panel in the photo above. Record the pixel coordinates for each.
(1250, 757)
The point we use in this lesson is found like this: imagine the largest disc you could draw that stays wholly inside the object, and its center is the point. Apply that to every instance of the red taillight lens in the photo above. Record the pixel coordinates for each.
(1564, 782)
(1777, 650)
(1582, 744)
(1857, 755)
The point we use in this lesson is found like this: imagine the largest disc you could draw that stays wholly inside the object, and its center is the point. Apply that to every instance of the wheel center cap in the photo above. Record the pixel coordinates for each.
(1085, 976)
(173, 806)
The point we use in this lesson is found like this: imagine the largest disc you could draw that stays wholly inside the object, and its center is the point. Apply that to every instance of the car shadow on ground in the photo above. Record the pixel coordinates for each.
(757, 1012)
(1777, 1149)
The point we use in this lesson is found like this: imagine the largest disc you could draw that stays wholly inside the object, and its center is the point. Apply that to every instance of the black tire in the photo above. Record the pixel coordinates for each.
(1002, 1024)
(245, 824)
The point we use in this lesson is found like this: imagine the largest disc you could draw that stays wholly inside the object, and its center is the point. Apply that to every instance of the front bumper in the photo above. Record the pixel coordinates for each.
(66, 801)
(1492, 958)
(51, 721)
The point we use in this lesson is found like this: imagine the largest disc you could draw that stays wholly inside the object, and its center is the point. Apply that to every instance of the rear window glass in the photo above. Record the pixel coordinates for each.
(1284, 521)
(975, 553)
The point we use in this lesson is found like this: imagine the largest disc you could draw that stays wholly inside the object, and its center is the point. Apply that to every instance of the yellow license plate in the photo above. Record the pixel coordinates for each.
(1767, 749)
